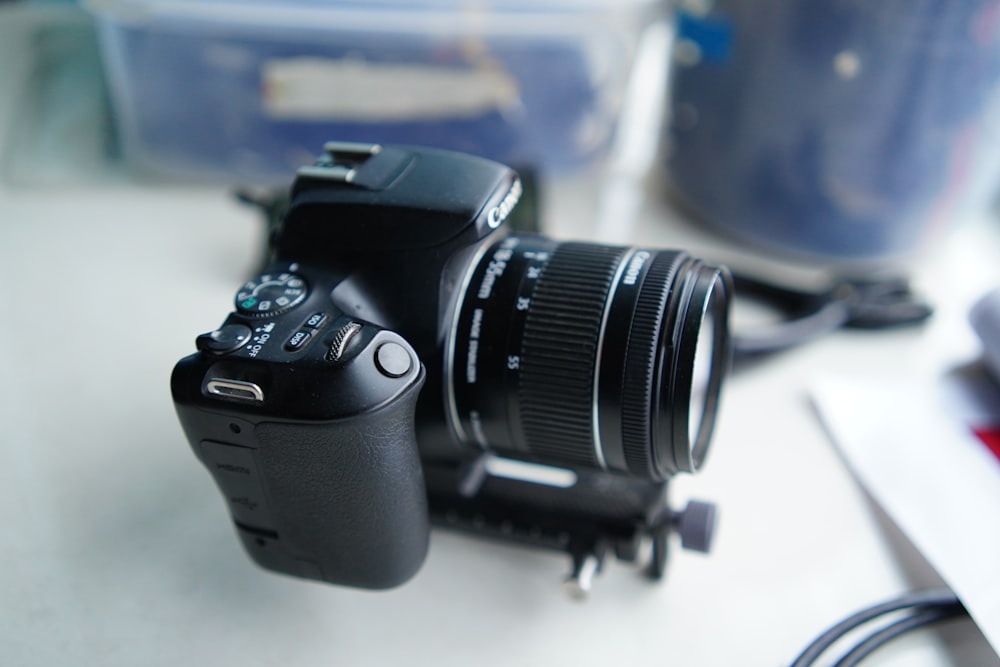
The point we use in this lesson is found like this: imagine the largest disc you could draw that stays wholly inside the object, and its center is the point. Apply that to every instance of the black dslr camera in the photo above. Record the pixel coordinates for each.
(406, 357)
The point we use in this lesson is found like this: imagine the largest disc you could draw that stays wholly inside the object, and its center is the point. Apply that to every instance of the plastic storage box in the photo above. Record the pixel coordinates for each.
(849, 132)
(248, 90)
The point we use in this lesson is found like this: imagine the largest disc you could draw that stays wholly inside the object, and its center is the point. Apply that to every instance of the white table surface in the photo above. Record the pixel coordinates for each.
(118, 550)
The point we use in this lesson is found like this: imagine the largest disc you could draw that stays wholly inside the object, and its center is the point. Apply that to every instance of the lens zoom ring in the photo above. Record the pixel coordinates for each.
(640, 365)
(559, 350)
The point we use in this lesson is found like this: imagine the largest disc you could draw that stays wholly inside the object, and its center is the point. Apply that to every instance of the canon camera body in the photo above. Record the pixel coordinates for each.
(407, 357)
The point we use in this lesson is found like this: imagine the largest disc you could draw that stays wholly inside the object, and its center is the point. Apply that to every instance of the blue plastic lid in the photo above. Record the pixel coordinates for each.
(484, 16)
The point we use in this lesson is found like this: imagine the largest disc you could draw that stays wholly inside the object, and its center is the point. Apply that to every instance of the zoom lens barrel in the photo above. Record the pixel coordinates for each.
(588, 355)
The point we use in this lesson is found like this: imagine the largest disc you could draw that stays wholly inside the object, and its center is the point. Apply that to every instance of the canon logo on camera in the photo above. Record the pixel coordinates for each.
(499, 213)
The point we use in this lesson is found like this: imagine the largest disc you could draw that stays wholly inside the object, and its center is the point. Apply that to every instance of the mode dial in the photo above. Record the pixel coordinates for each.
(271, 293)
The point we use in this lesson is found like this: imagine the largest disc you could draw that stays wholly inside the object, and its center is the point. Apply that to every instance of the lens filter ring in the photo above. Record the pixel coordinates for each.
(691, 375)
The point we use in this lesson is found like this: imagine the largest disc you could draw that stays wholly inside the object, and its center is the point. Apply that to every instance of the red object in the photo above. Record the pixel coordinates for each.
(990, 437)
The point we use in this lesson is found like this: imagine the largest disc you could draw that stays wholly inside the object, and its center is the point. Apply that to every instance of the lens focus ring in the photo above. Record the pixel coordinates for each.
(639, 387)
(562, 336)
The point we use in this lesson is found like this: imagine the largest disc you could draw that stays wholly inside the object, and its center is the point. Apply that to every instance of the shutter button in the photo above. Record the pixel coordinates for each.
(393, 360)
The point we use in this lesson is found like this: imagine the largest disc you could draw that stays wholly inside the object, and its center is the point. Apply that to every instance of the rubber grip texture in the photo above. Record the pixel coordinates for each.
(348, 497)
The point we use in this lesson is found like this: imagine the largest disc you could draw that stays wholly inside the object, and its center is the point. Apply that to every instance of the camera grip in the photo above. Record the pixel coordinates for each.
(347, 497)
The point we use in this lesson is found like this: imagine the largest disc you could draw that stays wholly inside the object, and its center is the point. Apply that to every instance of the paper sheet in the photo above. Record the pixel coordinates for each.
(930, 455)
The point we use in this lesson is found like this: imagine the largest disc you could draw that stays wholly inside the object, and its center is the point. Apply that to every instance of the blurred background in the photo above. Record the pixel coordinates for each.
(842, 132)
(810, 145)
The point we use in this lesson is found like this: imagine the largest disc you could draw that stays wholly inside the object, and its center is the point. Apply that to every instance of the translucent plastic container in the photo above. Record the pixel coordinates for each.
(840, 130)
(248, 90)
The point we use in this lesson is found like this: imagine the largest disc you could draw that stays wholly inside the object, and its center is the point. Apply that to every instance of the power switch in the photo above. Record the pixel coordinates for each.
(228, 338)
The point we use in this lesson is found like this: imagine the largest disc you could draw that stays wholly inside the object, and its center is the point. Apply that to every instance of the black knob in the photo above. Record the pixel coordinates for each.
(226, 339)
(697, 526)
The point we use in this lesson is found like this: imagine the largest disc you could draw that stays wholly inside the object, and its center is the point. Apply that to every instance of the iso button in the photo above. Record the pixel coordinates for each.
(316, 320)
(226, 339)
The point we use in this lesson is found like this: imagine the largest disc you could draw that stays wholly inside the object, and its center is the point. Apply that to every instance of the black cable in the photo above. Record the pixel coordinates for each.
(922, 601)
(899, 627)
(875, 303)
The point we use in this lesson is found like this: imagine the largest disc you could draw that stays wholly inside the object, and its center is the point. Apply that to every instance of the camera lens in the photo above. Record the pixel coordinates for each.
(589, 355)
